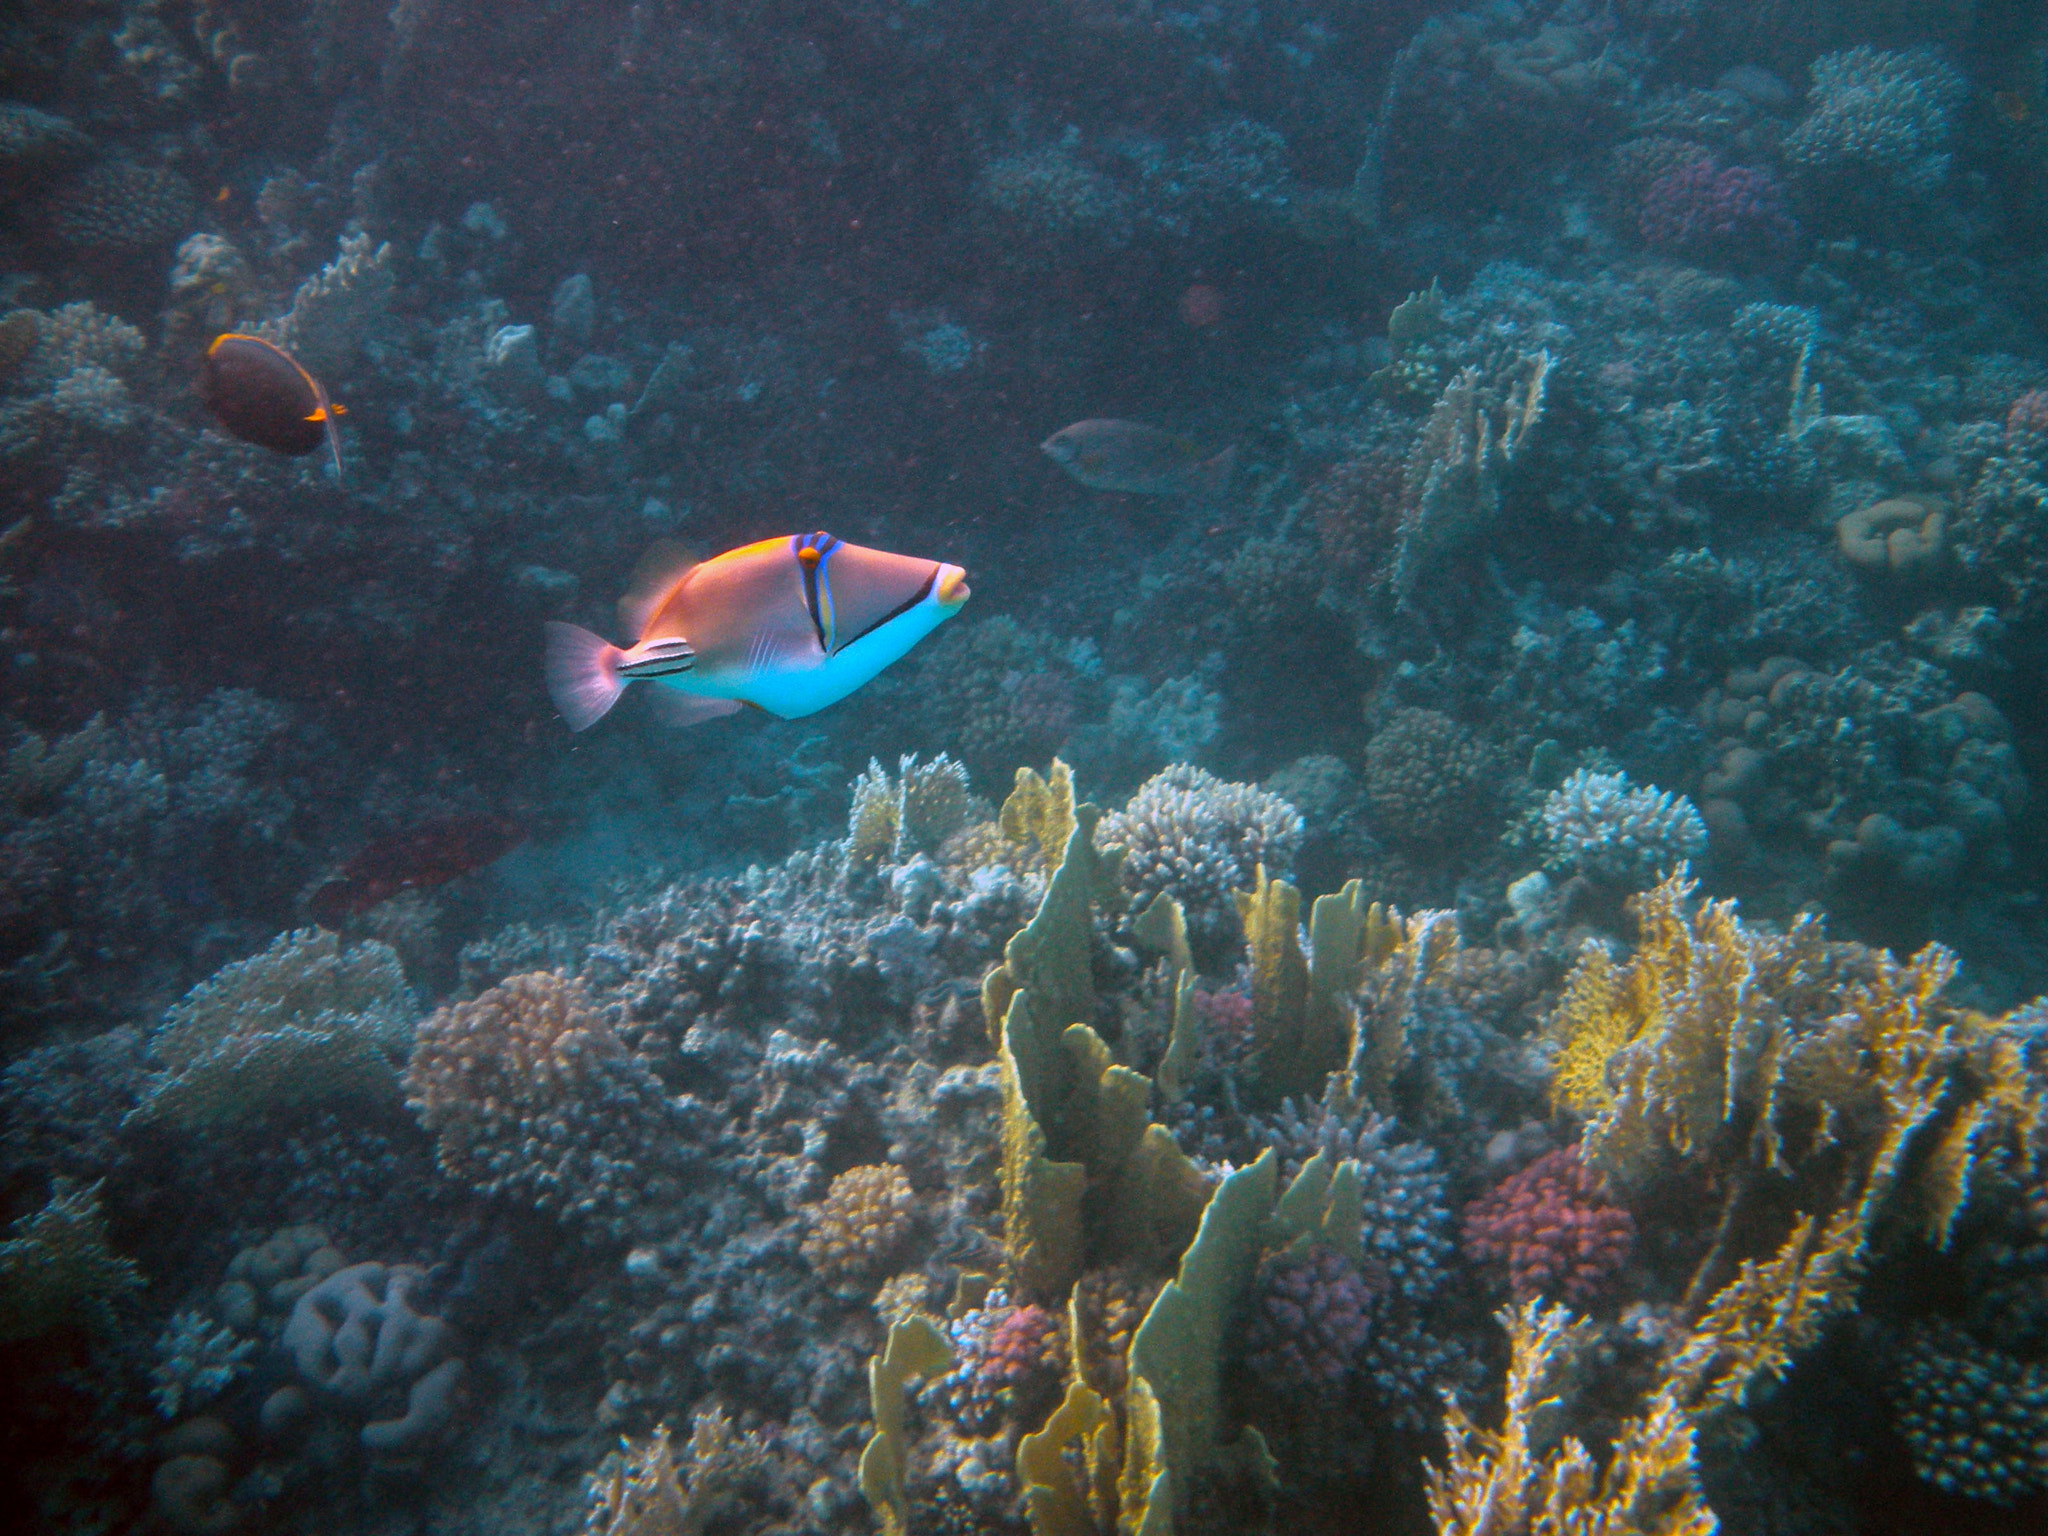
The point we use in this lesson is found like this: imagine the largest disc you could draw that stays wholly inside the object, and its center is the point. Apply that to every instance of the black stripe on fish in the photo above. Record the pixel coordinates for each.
(667, 658)
(817, 591)
(901, 608)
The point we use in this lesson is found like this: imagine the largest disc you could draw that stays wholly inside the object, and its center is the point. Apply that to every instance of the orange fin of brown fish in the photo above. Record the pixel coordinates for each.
(666, 563)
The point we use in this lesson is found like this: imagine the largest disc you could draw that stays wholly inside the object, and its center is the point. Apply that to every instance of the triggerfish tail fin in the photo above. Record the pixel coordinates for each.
(665, 564)
(582, 674)
(1210, 479)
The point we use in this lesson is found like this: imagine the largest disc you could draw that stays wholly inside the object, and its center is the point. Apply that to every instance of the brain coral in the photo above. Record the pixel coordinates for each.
(1425, 776)
(1202, 839)
(531, 1093)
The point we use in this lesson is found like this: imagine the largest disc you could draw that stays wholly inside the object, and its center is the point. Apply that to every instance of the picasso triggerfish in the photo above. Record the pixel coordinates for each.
(788, 625)
(258, 391)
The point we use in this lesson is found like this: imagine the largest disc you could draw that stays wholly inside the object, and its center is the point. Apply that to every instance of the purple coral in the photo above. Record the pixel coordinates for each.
(1554, 1226)
(1309, 1320)
(1009, 1358)
(1703, 208)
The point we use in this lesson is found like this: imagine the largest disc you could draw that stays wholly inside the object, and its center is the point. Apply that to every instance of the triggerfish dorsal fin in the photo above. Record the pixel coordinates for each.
(660, 570)
(862, 589)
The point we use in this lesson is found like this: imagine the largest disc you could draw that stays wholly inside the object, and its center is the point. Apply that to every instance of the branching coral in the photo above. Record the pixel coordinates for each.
(1201, 839)
(302, 1022)
(1830, 1077)
(1512, 1479)
(59, 1268)
(915, 812)
(1614, 831)
(1452, 489)
(531, 1093)
(644, 1489)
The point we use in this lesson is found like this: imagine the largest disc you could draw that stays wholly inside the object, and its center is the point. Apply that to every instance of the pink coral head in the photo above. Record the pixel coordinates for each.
(1554, 1227)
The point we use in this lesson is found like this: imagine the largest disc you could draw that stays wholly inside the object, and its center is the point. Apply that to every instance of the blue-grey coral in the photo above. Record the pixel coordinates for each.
(531, 1093)
(1880, 114)
(1202, 839)
(304, 1021)
(1619, 833)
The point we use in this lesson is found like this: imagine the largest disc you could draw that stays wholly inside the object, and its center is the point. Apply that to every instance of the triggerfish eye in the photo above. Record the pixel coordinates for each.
(258, 392)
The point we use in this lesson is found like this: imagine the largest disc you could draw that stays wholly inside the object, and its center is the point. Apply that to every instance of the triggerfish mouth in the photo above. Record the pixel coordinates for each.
(788, 625)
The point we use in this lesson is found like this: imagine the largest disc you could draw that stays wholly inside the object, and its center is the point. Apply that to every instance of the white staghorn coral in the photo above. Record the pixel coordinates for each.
(1618, 833)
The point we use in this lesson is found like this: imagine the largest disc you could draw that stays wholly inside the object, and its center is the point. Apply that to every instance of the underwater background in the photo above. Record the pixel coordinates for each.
(1447, 944)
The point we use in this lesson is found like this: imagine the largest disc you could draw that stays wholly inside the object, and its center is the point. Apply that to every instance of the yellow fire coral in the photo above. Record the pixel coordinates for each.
(1726, 1047)
(1498, 1481)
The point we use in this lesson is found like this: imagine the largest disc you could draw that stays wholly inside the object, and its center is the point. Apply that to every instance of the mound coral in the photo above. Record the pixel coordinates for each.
(1201, 839)
(1553, 1227)
(860, 1223)
(531, 1093)
(1426, 776)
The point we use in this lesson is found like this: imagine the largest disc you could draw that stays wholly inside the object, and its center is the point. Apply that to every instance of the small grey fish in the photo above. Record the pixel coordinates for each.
(1130, 456)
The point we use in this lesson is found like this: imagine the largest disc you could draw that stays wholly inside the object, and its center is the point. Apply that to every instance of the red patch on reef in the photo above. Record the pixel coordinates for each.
(1201, 305)
(417, 860)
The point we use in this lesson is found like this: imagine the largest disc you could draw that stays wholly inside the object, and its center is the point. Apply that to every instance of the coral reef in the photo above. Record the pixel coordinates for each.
(1602, 826)
(532, 1064)
(1554, 1227)
(1199, 839)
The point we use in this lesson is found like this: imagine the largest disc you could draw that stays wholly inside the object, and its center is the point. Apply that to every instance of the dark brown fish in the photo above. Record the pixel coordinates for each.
(416, 860)
(258, 391)
(1130, 456)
